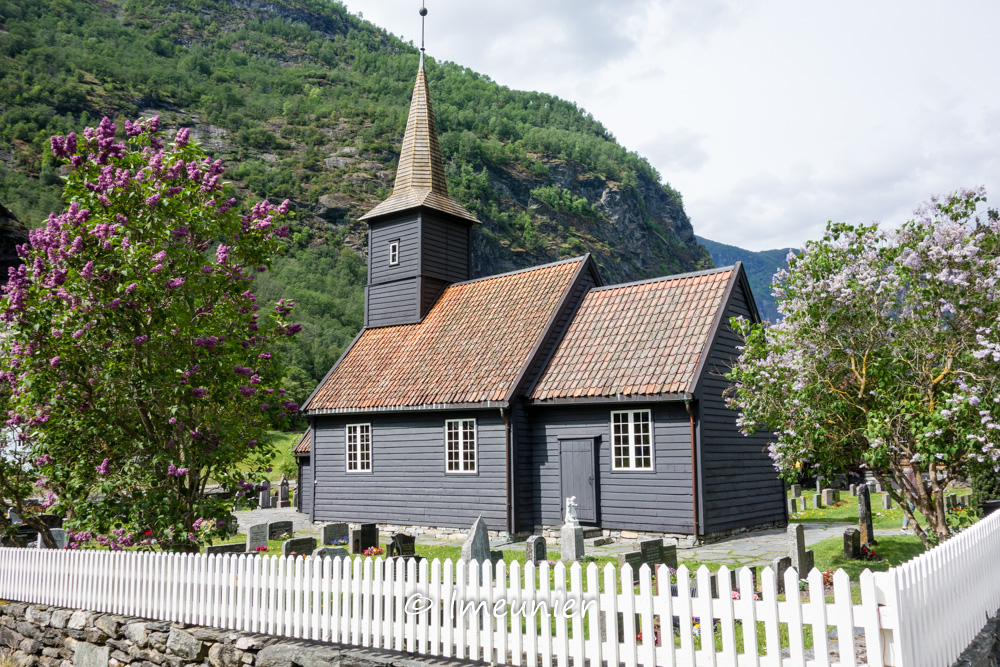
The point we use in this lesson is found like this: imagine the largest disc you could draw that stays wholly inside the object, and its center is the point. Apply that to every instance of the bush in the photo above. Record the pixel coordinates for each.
(985, 486)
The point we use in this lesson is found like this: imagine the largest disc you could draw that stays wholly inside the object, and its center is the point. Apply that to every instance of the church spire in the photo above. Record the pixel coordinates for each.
(420, 177)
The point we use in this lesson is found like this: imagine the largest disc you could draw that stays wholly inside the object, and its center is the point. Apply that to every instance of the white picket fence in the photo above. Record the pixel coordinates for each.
(921, 614)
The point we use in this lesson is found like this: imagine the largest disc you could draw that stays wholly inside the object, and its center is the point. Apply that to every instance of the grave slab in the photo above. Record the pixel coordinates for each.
(238, 548)
(335, 534)
(536, 549)
(275, 528)
(300, 546)
(256, 537)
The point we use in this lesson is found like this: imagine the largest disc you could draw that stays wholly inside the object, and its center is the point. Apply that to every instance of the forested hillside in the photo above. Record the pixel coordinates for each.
(305, 101)
(760, 267)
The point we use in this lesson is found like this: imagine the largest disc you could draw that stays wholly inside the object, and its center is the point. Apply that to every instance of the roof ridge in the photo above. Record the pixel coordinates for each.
(662, 279)
(569, 260)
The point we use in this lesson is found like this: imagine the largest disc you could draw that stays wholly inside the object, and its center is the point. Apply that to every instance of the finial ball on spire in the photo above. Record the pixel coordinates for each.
(423, 11)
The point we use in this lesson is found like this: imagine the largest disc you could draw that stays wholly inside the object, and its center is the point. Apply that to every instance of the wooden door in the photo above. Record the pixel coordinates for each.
(576, 460)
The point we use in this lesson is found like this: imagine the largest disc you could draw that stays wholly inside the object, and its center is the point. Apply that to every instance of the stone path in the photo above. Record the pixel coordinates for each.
(757, 548)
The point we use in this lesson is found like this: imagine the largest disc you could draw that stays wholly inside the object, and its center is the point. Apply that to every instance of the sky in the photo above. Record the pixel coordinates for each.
(769, 117)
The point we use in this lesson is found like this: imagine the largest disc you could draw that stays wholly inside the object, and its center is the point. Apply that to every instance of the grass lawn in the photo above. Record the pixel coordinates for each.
(847, 511)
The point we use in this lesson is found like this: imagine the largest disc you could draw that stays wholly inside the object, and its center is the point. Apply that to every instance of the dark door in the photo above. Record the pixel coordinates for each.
(576, 458)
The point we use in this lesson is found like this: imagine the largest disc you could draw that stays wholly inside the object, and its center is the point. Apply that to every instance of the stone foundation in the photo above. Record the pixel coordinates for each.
(43, 636)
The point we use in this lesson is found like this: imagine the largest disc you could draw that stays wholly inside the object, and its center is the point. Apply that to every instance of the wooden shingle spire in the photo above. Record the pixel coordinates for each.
(420, 177)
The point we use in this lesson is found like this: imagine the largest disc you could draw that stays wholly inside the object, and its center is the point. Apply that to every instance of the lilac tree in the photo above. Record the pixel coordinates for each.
(139, 367)
(888, 354)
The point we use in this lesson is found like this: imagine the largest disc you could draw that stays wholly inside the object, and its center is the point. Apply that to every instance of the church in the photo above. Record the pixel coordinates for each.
(504, 395)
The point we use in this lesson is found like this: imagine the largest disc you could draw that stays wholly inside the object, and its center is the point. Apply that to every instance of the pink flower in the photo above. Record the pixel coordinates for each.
(199, 392)
(174, 283)
(183, 136)
(54, 361)
(104, 468)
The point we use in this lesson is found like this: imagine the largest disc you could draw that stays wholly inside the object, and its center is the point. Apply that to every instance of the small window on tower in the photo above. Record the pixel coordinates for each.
(393, 253)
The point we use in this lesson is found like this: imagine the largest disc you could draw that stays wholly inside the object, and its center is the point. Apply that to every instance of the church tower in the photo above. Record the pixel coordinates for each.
(419, 240)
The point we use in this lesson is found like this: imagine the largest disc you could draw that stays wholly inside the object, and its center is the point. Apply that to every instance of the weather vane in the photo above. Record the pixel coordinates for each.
(423, 14)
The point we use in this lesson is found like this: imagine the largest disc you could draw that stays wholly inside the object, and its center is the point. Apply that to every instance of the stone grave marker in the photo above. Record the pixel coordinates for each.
(802, 558)
(792, 506)
(335, 534)
(865, 516)
(817, 501)
(852, 543)
(949, 503)
(264, 500)
(283, 499)
(58, 534)
(256, 537)
(275, 528)
(571, 536)
(13, 516)
(402, 545)
(853, 490)
(302, 546)
(633, 558)
(237, 548)
(829, 497)
(477, 546)
(363, 537)
(330, 552)
(886, 501)
(796, 490)
(819, 485)
(871, 487)
(535, 549)
(778, 566)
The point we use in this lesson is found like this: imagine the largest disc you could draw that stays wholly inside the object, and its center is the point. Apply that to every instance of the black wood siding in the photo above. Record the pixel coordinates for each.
(408, 483)
(739, 484)
(406, 230)
(659, 500)
(392, 303)
(445, 250)
(304, 487)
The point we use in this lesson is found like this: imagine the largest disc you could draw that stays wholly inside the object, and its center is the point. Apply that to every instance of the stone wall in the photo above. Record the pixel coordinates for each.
(984, 651)
(42, 636)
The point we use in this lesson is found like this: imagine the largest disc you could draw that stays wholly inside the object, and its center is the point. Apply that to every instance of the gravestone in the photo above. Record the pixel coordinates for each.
(13, 516)
(853, 490)
(402, 545)
(655, 552)
(871, 487)
(58, 534)
(330, 552)
(477, 546)
(829, 497)
(632, 558)
(886, 501)
(335, 534)
(819, 485)
(792, 506)
(796, 490)
(363, 537)
(852, 543)
(865, 516)
(949, 503)
(283, 500)
(264, 500)
(301, 546)
(571, 536)
(778, 566)
(817, 501)
(535, 549)
(275, 528)
(802, 558)
(256, 537)
(237, 548)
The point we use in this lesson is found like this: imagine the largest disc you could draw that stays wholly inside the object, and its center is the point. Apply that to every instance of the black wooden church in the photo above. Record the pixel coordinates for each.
(502, 396)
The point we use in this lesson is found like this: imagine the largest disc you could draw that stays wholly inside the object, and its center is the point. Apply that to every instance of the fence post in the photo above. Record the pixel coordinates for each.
(890, 618)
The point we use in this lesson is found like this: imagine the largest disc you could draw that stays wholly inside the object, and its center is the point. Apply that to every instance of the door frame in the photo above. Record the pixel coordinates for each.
(595, 466)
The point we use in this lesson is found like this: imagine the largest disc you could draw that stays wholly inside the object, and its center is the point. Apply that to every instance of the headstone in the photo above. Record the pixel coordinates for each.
(283, 500)
(335, 534)
(363, 537)
(852, 543)
(792, 506)
(655, 552)
(275, 528)
(58, 534)
(819, 485)
(871, 487)
(13, 516)
(477, 546)
(302, 546)
(778, 566)
(330, 552)
(802, 558)
(796, 490)
(836, 495)
(853, 490)
(632, 558)
(865, 516)
(829, 497)
(264, 500)
(237, 548)
(817, 501)
(878, 488)
(256, 537)
(402, 545)
(571, 536)
(535, 549)
(886, 501)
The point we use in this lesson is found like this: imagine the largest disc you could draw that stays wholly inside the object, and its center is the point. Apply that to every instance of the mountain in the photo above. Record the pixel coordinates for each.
(303, 100)
(760, 267)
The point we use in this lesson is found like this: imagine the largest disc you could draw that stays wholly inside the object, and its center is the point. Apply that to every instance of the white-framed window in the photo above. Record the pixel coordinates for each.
(631, 440)
(359, 447)
(460, 445)
(393, 253)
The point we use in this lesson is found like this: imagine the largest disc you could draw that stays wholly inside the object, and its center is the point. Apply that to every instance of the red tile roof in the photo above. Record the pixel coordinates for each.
(637, 339)
(304, 443)
(470, 348)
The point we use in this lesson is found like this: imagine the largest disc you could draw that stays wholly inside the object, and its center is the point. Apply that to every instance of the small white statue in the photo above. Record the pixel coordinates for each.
(571, 518)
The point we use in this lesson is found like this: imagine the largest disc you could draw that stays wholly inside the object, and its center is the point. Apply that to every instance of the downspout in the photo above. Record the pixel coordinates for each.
(694, 470)
(505, 415)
